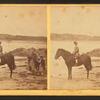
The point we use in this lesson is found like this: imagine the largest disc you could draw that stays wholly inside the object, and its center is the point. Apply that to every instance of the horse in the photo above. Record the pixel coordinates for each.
(8, 59)
(69, 59)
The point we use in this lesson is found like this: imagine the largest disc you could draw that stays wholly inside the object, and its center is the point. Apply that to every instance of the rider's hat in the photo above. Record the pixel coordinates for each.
(75, 42)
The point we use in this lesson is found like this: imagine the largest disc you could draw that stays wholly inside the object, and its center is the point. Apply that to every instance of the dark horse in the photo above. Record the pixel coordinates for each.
(70, 61)
(8, 59)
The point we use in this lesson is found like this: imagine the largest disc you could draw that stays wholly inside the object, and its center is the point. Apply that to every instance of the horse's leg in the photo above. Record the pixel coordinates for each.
(10, 67)
(70, 72)
(10, 72)
(87, 73)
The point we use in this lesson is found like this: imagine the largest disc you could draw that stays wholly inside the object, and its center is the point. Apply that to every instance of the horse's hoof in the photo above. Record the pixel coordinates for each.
(69, 78)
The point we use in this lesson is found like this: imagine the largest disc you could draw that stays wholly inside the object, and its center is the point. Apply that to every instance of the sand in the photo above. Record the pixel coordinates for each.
(21, 80)
(59, 81)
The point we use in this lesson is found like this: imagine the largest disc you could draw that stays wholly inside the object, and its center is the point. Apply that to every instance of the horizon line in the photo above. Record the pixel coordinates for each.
(76, 34)
(23, 35)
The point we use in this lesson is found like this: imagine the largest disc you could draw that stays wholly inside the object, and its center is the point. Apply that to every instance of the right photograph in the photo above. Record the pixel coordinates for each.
(75, 48)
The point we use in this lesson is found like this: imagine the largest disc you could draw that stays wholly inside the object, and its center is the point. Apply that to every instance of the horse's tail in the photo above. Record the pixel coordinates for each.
(90, 65)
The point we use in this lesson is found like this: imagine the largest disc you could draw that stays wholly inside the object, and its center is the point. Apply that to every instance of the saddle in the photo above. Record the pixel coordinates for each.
(77, 55)
(76, 59)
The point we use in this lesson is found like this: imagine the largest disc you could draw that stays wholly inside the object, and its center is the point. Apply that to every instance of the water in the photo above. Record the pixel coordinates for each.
(9, 46)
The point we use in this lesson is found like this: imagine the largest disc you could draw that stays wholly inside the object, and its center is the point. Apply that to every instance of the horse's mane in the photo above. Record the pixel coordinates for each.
(64, 51)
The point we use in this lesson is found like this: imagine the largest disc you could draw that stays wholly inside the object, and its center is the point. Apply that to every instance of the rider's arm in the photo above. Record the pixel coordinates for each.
(76, 49)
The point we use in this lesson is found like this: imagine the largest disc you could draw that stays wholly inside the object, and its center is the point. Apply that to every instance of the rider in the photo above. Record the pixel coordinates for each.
(1, 51)
(76, 51)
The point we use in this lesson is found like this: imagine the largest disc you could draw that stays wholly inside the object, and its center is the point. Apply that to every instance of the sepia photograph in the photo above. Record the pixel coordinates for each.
(23, 47)
(75, 48)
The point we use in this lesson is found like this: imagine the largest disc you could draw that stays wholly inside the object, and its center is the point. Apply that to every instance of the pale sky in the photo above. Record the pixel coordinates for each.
(76, 20)
(25, 20)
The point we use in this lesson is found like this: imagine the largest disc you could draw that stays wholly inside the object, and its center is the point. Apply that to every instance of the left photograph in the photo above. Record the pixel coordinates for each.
(23, 47)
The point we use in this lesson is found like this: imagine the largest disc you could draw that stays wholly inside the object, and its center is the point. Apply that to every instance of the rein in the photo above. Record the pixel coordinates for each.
(59, 59)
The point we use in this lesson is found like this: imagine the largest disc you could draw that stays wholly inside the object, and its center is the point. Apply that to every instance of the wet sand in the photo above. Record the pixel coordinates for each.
(21, 80)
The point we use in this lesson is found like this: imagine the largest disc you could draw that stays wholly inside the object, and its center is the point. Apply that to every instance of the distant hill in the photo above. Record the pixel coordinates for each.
(72, 37)
(29, 52)
(94, 53)
(19, 37)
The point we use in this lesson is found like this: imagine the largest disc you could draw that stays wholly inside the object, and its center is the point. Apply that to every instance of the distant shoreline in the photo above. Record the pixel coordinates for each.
(73, 37)
(24, 41)
(6, 37)
(76, 40)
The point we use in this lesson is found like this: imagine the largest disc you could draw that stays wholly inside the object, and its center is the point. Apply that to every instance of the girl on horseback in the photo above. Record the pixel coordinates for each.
(76, 51)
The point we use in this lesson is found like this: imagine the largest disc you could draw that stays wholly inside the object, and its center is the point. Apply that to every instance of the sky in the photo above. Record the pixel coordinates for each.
(83, 20)
(23, 20)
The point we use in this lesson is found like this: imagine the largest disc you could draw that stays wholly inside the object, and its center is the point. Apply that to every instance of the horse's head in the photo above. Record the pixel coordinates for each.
(63, 53)
(58, 54)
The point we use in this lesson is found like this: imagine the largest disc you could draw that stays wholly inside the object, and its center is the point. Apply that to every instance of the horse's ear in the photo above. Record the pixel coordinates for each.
(59, 49)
